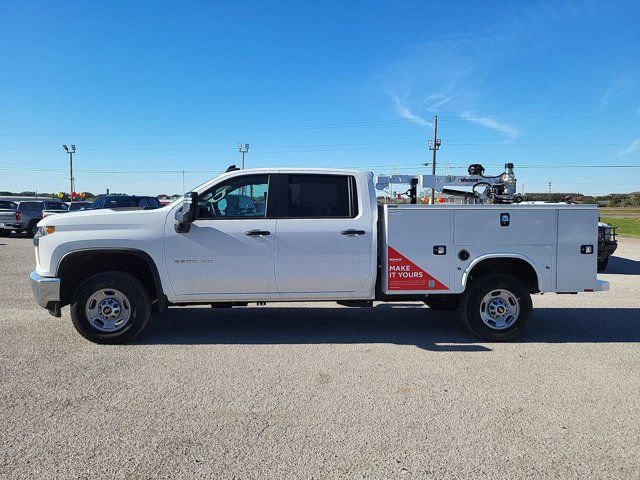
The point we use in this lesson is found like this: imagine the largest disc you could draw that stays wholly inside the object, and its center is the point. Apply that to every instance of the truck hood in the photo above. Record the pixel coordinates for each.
(105, 219)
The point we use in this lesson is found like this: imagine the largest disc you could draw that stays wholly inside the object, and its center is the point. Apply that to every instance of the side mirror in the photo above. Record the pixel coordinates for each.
(187, 214)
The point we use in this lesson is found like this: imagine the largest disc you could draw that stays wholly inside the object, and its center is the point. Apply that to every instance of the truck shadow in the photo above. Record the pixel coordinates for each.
(623, 266)
(386, 323)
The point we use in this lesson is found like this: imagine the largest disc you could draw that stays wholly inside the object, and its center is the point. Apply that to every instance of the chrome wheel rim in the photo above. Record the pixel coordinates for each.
(108, 310)
(499, 309)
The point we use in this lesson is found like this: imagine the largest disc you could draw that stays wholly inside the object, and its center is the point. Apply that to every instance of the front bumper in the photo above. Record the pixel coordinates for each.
(46, 290)
(606, 249)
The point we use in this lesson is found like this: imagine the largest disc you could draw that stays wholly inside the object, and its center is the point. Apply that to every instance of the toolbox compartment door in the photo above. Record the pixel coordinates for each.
(577, 271)
(410, 263)
(524, 226)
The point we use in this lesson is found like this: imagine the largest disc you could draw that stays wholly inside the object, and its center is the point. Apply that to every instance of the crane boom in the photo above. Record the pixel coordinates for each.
(486, 189)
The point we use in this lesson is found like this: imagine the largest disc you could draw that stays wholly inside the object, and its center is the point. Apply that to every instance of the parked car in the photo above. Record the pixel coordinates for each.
(26, 216)
(64, 208)
(321, 237)
(607, 244)
(124, 201)
(70, 207)
(7, 213)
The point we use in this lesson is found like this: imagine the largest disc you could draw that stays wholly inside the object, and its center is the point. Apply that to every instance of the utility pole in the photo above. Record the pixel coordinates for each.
(434, 145)
(71, 179)
(243, 151)
(549, 188)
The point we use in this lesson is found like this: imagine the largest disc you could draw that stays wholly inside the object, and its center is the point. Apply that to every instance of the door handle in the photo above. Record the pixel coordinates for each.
(352, 232)
(257, 233)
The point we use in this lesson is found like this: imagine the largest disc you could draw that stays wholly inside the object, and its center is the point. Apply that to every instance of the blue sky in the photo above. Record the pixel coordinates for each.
(148, 89)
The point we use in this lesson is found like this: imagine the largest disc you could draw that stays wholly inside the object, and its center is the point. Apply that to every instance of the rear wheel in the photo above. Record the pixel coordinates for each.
(443, 303)
(110, 307)
(496, 307)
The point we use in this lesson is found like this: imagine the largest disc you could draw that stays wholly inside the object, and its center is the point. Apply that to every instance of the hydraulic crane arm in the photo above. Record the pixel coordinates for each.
(498, 189)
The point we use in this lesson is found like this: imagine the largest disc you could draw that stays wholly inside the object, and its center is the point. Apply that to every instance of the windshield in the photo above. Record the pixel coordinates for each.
(57, 206)
(121, 202)
(126, 202)
(77, 206)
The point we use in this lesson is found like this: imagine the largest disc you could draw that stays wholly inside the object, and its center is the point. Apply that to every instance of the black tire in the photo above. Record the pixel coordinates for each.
(602, 264)
(4, 233)
(443, 303)
(137, 304)
(473, 301)
(32, 229)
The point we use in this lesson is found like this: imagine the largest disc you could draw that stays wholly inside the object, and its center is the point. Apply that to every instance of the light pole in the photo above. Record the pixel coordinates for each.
(71, 179)
(243, 151)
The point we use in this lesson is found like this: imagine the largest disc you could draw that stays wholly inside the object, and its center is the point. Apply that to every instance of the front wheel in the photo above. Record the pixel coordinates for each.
(4, 233)
(496, 307)
(110, 307)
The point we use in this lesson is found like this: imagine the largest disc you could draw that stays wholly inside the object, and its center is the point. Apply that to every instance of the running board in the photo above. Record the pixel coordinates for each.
(356, 303)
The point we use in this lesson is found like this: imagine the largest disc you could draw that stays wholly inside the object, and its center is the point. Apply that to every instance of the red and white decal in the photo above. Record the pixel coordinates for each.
(403, 274)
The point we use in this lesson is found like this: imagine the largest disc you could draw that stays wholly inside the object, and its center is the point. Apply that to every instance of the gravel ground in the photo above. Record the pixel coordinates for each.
(324, 392)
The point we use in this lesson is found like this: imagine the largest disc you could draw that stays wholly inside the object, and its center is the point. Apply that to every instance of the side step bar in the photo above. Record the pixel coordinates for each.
(356, 303)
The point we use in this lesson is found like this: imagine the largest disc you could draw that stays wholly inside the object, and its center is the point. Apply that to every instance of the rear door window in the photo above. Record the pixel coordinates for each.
(318, 196)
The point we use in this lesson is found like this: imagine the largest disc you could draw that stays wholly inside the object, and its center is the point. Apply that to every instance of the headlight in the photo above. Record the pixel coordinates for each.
(607, 234)
(48, 230)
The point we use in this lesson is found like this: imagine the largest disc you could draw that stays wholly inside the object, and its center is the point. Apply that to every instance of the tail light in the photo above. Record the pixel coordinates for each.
(18, 215)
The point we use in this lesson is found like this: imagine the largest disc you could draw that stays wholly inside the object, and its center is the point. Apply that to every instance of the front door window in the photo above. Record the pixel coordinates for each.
(240, 197)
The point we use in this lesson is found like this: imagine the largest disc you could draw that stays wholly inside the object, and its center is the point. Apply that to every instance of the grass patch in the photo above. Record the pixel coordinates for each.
(620, 211)
(629, 227)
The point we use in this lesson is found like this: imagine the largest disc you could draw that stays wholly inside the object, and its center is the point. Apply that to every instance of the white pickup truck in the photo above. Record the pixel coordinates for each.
(273, 235)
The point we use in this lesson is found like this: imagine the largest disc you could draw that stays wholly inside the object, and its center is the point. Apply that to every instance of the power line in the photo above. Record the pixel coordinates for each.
(600, 118)
(404, 166)
(389, 143)
(265, 153)
(311, 148)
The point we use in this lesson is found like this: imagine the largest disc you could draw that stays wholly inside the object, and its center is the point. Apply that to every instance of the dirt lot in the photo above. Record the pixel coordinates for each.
(326, 392)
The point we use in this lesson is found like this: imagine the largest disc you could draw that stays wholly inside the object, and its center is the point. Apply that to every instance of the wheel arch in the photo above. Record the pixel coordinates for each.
(76, 266)
(521, 266)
